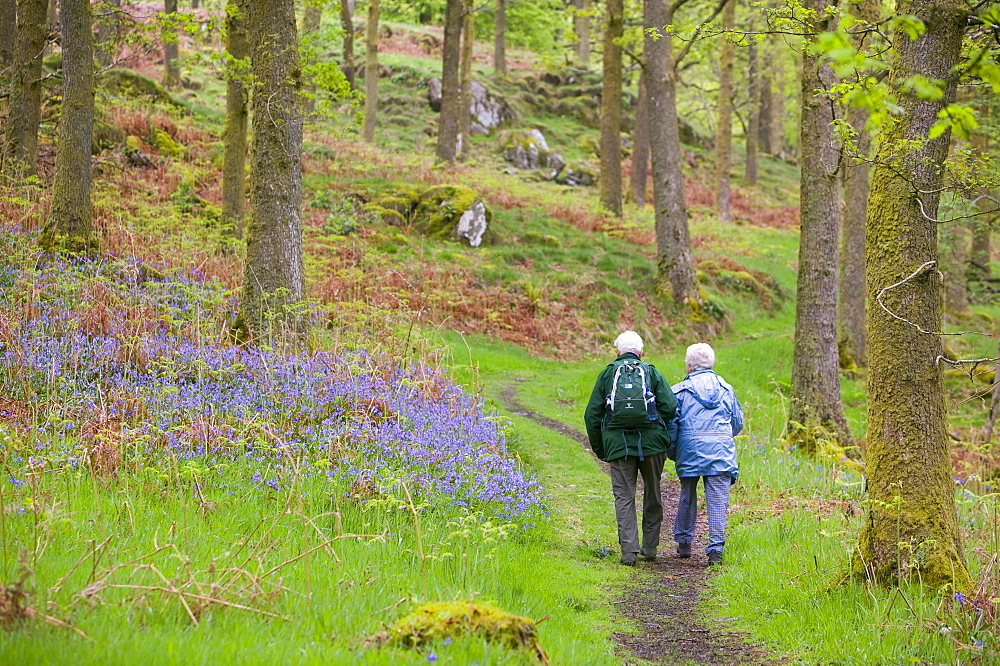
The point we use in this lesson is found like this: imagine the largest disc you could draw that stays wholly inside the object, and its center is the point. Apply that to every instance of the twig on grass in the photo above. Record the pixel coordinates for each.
(192, 595)
(389, 607)
(56, 622)
(58, 586)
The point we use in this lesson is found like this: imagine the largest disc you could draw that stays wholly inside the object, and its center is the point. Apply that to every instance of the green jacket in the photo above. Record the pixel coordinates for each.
(613, 444)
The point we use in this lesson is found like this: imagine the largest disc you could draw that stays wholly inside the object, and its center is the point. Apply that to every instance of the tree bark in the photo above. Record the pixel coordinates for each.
(465, 78)
(107, 32)
(952, 243)
(581, 27)
(724, 130)
(753, 114)
(450, 88)
(371, 72)
(766, 119)
(69, 227)
(674, 260)
(171, 74)
(234, 137)
(815, 398)
(982, 225)
(611, 110)
(911, 528)
(347, 24)
(273, 281)
(777, 139)
(24, 112)
(8, 31)
(312, 18)
(500, 39)
(640, 144)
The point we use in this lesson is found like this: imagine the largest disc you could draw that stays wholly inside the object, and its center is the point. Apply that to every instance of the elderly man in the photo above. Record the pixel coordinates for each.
(626, 422)
(708, 418)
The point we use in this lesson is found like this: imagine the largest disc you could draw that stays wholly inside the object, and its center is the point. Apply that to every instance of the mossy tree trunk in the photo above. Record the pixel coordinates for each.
(450, 87)
(347, 24)
(777, 139)
(815, 397)
(371, 72)
(500, 38)
(106, 46)
(640, 144)
(171, 50)
(24, 111)
(465, 77)
(764, 124)
(753, 113)
(982, 226)
(234, 137)
(611, 109)
(911, 527)
(674, 260)
(581, 28)
(724, 129)
(273, 282)
(851, 317)
(953, 239)
(70, 227)
(8, 31)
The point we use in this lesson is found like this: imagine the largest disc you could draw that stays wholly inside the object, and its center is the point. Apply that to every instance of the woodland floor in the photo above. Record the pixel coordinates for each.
(664, 596)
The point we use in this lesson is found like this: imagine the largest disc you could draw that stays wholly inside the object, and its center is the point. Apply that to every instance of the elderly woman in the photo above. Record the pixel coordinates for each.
(708, 418)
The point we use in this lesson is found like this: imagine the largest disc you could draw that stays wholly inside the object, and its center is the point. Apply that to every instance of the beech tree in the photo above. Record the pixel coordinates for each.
(815, 396)
(465, 77)
(640, 144)
(371, 72)
(234, 136)
(171, 74)
(69, 227)
(724, 131)
(581, 28)
(911, 529)
(753, 114)
(674, 260)
(500, 38)
(347, 24)
(611, 109)
(24, 111)
(450, 89)
(273, 282)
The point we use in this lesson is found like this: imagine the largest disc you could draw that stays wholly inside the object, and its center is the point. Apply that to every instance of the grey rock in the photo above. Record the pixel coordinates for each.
(434, 93)
(489, 111)
(473, 224)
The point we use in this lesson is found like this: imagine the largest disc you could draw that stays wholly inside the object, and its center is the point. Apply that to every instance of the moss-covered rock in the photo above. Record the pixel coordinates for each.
(165, 144)
(453, 212)
(106, 136)
(127, 83)
(460, 619)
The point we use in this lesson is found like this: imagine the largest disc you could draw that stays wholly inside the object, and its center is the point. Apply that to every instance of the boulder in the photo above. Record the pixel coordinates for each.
(453, 212)
(434, 94)
(524, 148)
(576, 178)
(119, 81)
(487, 111)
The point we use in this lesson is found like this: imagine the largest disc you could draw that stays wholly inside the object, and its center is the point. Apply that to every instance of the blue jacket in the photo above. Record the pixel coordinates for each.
(708, 417)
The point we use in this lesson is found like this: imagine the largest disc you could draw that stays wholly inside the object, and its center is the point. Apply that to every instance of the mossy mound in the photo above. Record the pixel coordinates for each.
(127, 83)
(728, 276)
(442, 210)
(458, 619)
(165, 144)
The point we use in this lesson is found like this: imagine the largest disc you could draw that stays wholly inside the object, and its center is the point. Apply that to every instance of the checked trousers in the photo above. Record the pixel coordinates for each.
(716, 504)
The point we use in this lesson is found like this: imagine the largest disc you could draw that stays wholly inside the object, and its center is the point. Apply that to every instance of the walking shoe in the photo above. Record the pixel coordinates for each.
(714, 559)
(683, 550)
(649, 556)
(628, 559)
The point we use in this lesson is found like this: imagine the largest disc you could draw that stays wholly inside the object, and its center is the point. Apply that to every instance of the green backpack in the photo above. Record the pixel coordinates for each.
(631, 404)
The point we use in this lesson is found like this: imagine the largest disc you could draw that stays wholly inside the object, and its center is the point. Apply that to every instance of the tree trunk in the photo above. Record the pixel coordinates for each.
(107, 33)
(8, 31)
(581, 27)
(450, 89)
(69, 227)
(952, 243)
(194, 4)
(371, 72)
(312, 18)
(777, 140)
(766, 119)
(982, 226)
(753, 114)
(465, 78)
(500, 39)
(911, 528)
(611, 111)
(815, 398)
(273, 281)
(674, 261)
(347, 24)
(234, 137)
(853, 336)
(640, 144)
(991, 419)
(24, 112)
(171, 74)
(724, 131)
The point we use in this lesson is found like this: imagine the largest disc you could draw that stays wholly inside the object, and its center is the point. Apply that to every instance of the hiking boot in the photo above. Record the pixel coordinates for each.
(628, 559)
(683, 550)
(714, 559)
(648, 556)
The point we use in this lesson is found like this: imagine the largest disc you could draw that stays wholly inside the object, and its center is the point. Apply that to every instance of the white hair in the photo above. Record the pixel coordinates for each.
(699, 356)
(629, 341)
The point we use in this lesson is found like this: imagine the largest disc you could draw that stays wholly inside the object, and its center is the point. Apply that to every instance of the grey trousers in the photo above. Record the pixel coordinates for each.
(716, 504)
(624, 472)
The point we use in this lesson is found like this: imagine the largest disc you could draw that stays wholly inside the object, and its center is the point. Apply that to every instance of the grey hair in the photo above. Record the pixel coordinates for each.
(699, 356)
(629, 341)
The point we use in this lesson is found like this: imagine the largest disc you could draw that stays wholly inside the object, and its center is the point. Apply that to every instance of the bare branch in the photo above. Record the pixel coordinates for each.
(924, 268)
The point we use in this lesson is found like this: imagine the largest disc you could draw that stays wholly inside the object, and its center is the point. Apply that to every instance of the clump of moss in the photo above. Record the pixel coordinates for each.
(535, 238)
(457, 619)
(440, 209)
(127, 83)
(166, 145)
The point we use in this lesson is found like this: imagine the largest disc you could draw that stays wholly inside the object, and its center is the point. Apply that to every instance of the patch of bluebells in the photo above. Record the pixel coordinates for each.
(118, 350)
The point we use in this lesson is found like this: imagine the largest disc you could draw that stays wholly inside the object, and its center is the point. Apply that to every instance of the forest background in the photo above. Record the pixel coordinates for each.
(288, 288)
